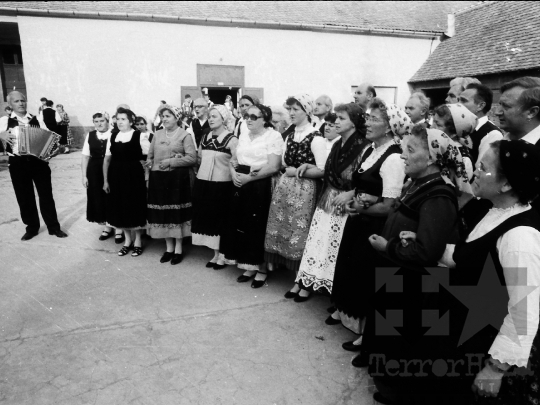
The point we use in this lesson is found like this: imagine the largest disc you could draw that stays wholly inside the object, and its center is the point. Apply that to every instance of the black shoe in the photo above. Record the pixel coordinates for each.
(299, 298)
(332, 321)
(125, 250)
(243, 279)
(105, 235)
(259, 283)
(167, 256)
(210, 265)
(290, 294)
(119, 239)
(331, 310)
(28, 235)
(59, 233)
(219, 266)
(382, 400)
(177, 258)
(360, 361)
(350, 347)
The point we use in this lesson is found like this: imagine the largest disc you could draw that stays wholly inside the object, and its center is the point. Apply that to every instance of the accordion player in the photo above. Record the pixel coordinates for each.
(38, 142)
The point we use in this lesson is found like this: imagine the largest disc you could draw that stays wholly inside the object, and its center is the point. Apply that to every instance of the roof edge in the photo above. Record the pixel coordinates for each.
(481, 4)
(217, 22)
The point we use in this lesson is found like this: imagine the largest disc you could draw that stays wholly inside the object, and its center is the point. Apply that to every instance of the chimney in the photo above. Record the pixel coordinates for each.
(451, 30)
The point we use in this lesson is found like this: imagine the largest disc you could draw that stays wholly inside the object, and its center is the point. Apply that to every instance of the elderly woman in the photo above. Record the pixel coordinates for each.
(214, 184)
(508, 175)
(377, 180)
(316, 270)
(93, 153)
(63, 128)
(259, 156)
(428, 208)
(171, 155)
(123, 181)
(280, 119)
(295, 196)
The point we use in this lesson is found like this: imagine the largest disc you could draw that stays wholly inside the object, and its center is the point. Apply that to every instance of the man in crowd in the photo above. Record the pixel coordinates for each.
(417, 107)
(50, 116)
(478, 99)
(156, 121)
(364, 94)
(43, 104)
(27, 171)
(187, 106)
(457, 86)
(245, 102)
(199, 126)
(209, 102)
(323, 105)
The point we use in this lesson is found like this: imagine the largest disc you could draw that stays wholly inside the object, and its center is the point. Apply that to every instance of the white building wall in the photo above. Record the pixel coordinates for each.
(91, 65)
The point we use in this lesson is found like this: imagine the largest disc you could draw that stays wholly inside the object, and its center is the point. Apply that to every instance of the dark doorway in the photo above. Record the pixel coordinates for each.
(437, 96)
(218, 94)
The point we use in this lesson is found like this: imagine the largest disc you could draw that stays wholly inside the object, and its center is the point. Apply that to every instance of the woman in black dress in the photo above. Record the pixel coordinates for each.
(124, 181)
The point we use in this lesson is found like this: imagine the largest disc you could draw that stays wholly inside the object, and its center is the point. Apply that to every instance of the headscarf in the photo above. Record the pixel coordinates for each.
(225, 114)
(400, 122)
(449, 159)
(465, 123)
(520, 163)
(177, 111)
(104, 114)
(307, 103)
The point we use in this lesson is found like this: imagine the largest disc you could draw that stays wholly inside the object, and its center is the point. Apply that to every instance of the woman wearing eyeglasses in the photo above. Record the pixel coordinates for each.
(295, 195)
(258, 157)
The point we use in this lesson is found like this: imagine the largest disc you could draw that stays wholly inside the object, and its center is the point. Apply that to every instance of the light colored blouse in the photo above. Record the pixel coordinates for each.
(180, 144)
(518, 249)
(329, 144)
(214, 164)
(392, 170)
(100, 135)
(318, 145)
(255, 152)
(126, 137)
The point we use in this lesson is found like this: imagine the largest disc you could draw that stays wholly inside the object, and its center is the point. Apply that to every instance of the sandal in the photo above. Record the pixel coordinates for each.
(137, 251)
(106, 235)
(125, 250)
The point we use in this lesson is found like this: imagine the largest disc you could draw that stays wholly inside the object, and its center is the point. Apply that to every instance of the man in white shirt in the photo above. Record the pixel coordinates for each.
(199, 127)
(417, 108)
(25, 171)
(478, 99)
(364, 94)
(323, 105)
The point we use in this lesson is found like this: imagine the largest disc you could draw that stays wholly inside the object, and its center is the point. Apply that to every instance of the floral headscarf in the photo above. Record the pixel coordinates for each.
(177, 111)
(225, 114)
(465, 123)
(449, 159)
(307, 103)
(104, 114)
(400, 123)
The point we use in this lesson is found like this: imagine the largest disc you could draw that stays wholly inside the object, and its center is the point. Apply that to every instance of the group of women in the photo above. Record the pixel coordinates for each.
(374, 191)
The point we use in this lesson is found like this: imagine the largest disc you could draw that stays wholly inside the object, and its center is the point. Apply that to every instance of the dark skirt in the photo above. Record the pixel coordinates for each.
(354, 276)
(62, 130)
(169, 204)
(210, 206)
(96, 207)
(243, 238)
(126, 202)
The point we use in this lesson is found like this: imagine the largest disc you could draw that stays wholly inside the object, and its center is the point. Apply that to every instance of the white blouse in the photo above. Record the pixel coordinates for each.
(126, 137)
(329, 144)
(392, 170)
(100, 135)
(518, 248)
(255, 152)
(318, 145)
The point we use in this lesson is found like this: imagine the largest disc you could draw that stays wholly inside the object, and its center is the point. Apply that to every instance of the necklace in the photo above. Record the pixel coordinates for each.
(173, 134)
(411, 191)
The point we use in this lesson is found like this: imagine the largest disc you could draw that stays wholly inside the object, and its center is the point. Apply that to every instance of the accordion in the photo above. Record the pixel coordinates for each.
(37, 142)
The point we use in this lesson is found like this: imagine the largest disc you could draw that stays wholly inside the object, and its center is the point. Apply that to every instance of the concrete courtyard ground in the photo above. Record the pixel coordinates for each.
(80, 325)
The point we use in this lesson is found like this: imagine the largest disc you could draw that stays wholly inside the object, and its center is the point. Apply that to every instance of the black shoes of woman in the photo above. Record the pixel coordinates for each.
(210, 265)
(167, 256)
(332, 321)
(106, 235)
(301, 298)
(119, 238)
(176, 258)
(125, 250)
(290, 294)
(215, 266)
(351, 347)
(243, 278)
(137, 251)
(259, 283)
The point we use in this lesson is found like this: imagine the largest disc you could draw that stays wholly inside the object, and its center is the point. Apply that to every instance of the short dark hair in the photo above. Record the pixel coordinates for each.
(163, 102)
(99, 115)
(527, 82)
(187, 96)
(530, 98)
(371, 89)
(8, 108)
(266, 114)
(250, 99)
(49, 103)
(444, 112)
(483, 93)
(42, 99)
(130, 114)
(137, 119)
(356, 115)
(330, 117)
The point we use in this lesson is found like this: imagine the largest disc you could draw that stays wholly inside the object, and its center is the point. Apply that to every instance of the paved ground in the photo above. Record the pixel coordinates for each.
(80, 325)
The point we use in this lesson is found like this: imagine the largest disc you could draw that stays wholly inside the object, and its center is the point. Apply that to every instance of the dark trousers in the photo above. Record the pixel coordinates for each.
(25, 171)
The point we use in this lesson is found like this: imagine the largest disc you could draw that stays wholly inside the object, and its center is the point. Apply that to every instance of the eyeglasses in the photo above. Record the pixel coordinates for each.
(199, 106)
(373, 119)
(251, 117)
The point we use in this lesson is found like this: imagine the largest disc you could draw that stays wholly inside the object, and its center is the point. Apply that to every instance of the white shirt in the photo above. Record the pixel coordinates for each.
(15, 131)
(57, 116)
(100, 135)
(488, 139)
(255, 152)
(318, 145)
(331, 143)
(518, 248)
(126, 137)
(533, 136)
(392, 170)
